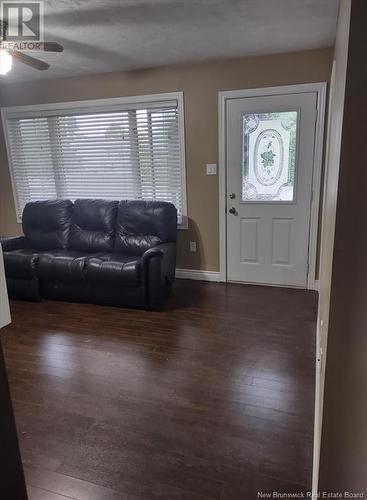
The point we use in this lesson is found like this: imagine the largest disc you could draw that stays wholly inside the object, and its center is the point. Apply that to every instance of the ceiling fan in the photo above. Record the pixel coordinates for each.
(7, 53)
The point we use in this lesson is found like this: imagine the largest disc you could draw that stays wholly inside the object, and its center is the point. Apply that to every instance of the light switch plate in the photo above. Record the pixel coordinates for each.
(211, 169)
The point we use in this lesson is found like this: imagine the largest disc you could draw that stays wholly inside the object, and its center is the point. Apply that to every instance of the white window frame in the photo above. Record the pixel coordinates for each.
(94, 105)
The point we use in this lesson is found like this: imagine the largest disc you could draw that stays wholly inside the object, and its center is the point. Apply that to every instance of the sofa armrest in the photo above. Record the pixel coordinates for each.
(165, 252)
(10, 243)
(159, 268)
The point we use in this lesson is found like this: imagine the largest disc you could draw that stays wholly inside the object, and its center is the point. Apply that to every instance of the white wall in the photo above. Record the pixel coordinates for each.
(334, 136)
(4, 303)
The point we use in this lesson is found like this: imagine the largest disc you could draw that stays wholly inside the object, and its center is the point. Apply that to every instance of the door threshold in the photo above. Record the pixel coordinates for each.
(295, 287)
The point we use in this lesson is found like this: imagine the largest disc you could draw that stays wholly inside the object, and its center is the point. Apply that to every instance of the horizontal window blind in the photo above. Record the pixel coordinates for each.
(133, 152)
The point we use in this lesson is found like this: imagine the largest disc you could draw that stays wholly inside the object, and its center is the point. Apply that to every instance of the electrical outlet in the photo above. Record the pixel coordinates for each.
(211, 169)
(192, 246)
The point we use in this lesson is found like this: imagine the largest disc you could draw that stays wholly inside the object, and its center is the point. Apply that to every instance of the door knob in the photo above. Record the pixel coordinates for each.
(232, 211)
(232, 196)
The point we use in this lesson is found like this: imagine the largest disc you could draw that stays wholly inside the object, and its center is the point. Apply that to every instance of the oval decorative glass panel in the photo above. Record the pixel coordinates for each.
(268, 157)
(269, 152)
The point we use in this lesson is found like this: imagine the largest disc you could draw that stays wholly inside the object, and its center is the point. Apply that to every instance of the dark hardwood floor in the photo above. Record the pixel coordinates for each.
(211, 398)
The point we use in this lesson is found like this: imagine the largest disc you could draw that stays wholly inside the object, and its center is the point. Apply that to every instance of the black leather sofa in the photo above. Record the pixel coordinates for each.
(106, 252)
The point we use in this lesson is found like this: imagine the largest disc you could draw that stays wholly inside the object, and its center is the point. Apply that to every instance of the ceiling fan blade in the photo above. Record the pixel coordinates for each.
(52, 47)
(28, 60)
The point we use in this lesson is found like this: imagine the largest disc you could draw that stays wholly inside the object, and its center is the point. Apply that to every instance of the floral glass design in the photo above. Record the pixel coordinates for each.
(269, 156)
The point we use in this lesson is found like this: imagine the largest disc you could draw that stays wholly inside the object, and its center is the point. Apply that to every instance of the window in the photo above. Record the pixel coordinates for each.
(269, 156)
(124, 148)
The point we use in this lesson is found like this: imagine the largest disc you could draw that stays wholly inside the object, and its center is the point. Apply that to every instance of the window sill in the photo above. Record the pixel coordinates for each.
(184, 224)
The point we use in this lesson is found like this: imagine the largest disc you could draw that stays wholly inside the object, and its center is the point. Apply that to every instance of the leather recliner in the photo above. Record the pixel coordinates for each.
(105, 252)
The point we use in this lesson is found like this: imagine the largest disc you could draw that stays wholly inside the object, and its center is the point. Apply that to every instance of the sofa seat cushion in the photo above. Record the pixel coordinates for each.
(114, 269)
(62, 265)
(21, 264)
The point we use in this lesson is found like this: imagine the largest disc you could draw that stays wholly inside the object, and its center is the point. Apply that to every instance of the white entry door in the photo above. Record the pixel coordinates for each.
(269, 163)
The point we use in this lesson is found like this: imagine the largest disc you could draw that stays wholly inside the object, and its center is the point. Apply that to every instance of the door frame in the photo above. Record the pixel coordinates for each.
(223, 97)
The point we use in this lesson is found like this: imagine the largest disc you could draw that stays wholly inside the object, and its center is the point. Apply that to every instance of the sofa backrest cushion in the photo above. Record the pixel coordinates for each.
(46, 224)
(93, 225)
(144, 224)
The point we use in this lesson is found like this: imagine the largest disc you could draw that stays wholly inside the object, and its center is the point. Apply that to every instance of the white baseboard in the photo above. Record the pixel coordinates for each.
(195, 274)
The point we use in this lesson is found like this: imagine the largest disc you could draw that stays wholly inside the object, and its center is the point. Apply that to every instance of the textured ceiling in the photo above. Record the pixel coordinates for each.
(101, 36)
